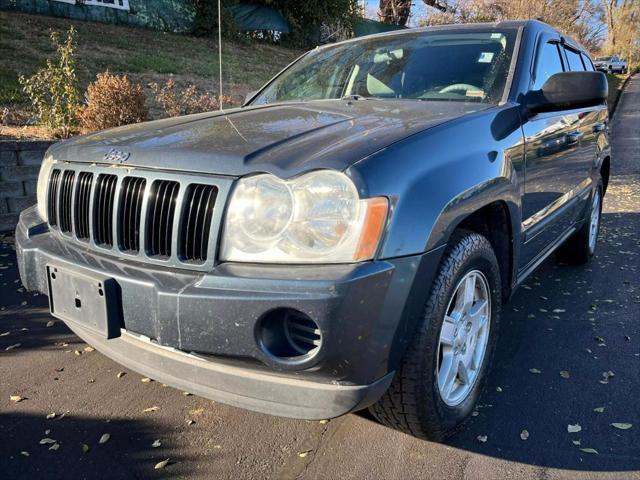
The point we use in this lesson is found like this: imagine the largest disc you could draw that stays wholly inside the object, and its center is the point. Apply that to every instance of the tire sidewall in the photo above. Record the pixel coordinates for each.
(597, 191)
(483, 260)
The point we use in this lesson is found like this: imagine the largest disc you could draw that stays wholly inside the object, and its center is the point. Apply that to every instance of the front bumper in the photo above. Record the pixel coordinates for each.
(197, 331)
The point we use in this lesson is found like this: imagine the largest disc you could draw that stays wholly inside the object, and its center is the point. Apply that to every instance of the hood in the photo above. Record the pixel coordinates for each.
(283, 139)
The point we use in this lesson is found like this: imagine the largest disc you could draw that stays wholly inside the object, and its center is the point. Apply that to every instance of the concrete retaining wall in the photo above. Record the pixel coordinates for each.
(19, 167)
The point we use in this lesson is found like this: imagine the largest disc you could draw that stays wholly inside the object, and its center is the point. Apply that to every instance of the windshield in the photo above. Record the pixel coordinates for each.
(455, 65)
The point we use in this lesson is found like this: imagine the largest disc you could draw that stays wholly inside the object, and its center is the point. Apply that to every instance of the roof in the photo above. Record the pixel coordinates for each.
(536, 25)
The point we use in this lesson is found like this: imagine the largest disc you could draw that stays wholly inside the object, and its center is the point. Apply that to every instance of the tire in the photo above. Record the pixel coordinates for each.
(414, 403)
(581, 246)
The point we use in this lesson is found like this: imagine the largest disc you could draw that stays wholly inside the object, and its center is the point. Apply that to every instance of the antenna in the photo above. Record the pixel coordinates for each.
(220, 54)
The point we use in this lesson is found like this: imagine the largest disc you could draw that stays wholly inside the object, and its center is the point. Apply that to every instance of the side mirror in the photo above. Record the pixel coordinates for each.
(248, 97)
(568, 90)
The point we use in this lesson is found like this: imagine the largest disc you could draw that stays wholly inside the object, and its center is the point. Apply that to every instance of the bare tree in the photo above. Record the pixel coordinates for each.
(622, 18)
(395, 12)
(577, 18)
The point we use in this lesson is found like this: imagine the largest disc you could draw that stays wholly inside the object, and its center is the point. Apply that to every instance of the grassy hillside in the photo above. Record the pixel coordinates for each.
(145, 55)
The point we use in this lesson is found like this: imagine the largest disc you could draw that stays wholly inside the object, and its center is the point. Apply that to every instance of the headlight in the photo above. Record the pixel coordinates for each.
(315, 218)
(43, 185)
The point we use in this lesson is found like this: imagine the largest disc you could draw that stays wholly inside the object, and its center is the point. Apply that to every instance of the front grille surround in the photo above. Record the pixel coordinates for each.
(115, 187)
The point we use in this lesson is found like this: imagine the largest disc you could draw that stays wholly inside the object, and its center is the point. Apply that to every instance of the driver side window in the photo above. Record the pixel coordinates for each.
(549, 63)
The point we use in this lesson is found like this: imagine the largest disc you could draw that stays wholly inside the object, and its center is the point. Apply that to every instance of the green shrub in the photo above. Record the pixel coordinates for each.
(53, 90)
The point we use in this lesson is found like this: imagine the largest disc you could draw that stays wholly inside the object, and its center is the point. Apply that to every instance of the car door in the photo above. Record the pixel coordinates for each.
(555, 168)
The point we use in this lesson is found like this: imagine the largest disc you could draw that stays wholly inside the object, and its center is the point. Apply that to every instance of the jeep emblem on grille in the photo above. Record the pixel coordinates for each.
(116, 156)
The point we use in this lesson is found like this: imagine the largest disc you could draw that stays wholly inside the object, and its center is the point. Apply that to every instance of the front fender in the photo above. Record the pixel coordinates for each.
(437, 178)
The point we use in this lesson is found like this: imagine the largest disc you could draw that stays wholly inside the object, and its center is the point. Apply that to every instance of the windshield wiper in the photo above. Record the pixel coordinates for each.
(355, 96)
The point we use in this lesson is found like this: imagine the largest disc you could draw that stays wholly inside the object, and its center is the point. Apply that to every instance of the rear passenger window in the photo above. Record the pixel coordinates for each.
(575, 62)
(548, 63)
(588, 64)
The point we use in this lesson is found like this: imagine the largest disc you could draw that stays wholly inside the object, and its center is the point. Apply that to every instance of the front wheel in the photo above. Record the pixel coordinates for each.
(443, 371)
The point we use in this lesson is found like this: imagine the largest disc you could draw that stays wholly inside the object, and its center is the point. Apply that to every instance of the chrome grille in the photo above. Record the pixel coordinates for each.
(81, 206)
(66, 195)
(131, 197)
(164, 218)
(162, 208)
(52, 200)
(196, 222)
(103, 209)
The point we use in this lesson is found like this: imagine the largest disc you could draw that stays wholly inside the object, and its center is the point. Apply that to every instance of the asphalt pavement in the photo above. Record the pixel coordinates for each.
(569, 354)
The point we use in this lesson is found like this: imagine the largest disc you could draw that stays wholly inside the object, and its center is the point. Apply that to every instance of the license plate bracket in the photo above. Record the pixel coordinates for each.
(90, 301)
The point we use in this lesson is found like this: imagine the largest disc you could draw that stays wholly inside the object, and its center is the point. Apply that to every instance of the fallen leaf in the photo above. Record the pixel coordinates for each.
(599, 409)
(565, 374)
(24, 453)
(589, 450)
(574, 428)
(304, 453)
(104, 438)
(11, 347)
(498, 389)
(190, 422)
(196, 411)
(151, 409)
(576, 442)
(534, 370)
(77, 352)
(145, 380)
(524, 435)
(156, 443)
(55, 446)
(322, 422)
(4, 334)
(622, 426)
(187, 394)
(47, 441)
(16, 398)
(482, 438)
(50, 416)
(50, 323)
(47, 432)
(85, 448)
(162, 464)
(89, 349)
(121, 374)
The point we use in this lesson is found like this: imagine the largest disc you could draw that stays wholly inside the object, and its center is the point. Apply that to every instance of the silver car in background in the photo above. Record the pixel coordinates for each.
(611, 64)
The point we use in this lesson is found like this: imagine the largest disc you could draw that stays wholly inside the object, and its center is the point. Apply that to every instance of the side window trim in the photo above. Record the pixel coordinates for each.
(542, 41)
(568, 49)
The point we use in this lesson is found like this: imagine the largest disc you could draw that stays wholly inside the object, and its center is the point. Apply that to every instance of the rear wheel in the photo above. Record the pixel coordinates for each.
(581, 246)
(443, 371)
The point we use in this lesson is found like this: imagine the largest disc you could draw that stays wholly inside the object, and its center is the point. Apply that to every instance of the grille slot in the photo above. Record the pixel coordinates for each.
(103, 209)
(66, 196)
(52, 198)
(196, 222)
(81, 206)
(302, 332)
(130, 209)
(160, 216)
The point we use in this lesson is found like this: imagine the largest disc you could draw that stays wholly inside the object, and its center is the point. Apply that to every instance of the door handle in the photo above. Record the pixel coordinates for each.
(599, 127)
(574, 137)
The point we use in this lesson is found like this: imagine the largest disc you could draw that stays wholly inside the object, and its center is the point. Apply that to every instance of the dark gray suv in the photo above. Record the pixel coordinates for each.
(344, 240)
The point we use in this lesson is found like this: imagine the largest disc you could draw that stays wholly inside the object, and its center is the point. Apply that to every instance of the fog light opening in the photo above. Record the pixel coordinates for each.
(286, 333)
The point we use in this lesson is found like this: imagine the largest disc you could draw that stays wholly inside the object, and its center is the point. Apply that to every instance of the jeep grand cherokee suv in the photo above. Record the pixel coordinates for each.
(344, 240)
